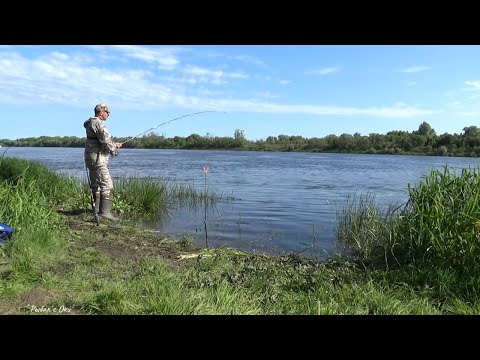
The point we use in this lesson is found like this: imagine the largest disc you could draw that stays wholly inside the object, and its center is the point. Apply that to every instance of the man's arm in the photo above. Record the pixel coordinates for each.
(104, 136)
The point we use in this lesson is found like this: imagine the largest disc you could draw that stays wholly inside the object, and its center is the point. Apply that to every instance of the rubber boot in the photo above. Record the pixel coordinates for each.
(105, 207)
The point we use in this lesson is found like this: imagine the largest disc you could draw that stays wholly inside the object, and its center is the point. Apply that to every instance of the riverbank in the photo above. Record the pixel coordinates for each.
(120, 269)
(104, 250)
(423, 260)
(106, 269)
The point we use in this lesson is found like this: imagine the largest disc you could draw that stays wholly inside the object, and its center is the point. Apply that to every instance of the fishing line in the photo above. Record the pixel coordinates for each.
(167, 122)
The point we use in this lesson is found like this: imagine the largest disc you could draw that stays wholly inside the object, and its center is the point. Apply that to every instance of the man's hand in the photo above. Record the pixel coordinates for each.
(115, 152)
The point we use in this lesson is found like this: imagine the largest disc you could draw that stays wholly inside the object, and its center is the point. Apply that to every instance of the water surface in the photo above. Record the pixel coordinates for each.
(282, 201)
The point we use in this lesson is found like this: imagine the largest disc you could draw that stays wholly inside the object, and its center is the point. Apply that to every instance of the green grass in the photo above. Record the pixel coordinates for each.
(396, 265)
(365, 231)
(36, 227)
(58, 189)
(437, 230)
(440, 224)
(145, 197)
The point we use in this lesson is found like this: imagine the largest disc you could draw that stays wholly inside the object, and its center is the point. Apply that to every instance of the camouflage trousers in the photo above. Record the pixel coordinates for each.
(100, 180)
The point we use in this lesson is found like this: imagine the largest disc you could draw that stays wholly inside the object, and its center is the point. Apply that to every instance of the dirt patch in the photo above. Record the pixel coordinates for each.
(126, 241)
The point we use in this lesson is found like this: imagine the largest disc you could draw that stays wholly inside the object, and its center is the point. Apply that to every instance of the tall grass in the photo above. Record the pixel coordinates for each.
(36, 226)
(147, 196)
(134, 196)
(29, 192)
(144, 196)
(58, 189)
(437, 229)
(365, 231)
(441, 222)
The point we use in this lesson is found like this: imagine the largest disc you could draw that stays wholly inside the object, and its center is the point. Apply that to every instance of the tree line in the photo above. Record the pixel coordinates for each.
(423, 141)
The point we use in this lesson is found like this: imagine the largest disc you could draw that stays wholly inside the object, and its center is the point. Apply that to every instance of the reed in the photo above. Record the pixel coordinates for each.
(438, 226)
(364, 230)
(147, 196)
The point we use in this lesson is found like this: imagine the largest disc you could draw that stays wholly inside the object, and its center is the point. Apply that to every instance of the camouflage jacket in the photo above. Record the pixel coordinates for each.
(99, 139)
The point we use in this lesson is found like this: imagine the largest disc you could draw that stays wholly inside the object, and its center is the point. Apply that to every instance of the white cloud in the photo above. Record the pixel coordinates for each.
(415, 69)
(249, 106)
(473, 85)
(469, 113)
(60, 56)
(58, 79)
(214, 74)
(455, 103)
(76, 80)
(165, 58)
(324, 71)
(248, 59)
(264, 94)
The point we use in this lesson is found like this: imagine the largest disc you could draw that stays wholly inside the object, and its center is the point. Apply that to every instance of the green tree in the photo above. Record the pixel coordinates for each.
(425, 129)
(471, 131)
(239, 136)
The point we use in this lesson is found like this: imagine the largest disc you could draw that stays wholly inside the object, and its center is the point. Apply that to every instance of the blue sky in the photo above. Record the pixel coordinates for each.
(307, 90)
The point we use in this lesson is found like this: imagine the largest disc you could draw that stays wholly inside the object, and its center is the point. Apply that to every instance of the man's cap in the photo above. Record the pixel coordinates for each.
(100, 107)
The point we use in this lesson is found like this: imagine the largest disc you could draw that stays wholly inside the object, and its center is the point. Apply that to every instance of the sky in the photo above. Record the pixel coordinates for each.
(264, 90)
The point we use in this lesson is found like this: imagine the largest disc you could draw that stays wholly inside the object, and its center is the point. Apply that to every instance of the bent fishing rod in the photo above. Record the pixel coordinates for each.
(165, 123)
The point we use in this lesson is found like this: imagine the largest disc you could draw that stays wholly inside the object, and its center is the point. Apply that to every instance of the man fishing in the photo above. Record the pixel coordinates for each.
(98, 146)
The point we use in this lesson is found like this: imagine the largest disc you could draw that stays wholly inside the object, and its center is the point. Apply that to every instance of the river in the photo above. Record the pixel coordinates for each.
(282, 202)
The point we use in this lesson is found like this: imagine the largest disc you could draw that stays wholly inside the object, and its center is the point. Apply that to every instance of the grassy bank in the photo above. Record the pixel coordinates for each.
(59, 262)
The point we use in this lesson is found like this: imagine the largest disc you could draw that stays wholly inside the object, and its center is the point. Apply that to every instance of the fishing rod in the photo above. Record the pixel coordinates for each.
(165, 123)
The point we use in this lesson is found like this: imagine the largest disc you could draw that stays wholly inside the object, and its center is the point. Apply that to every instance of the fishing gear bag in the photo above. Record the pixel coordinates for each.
(5, 231)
